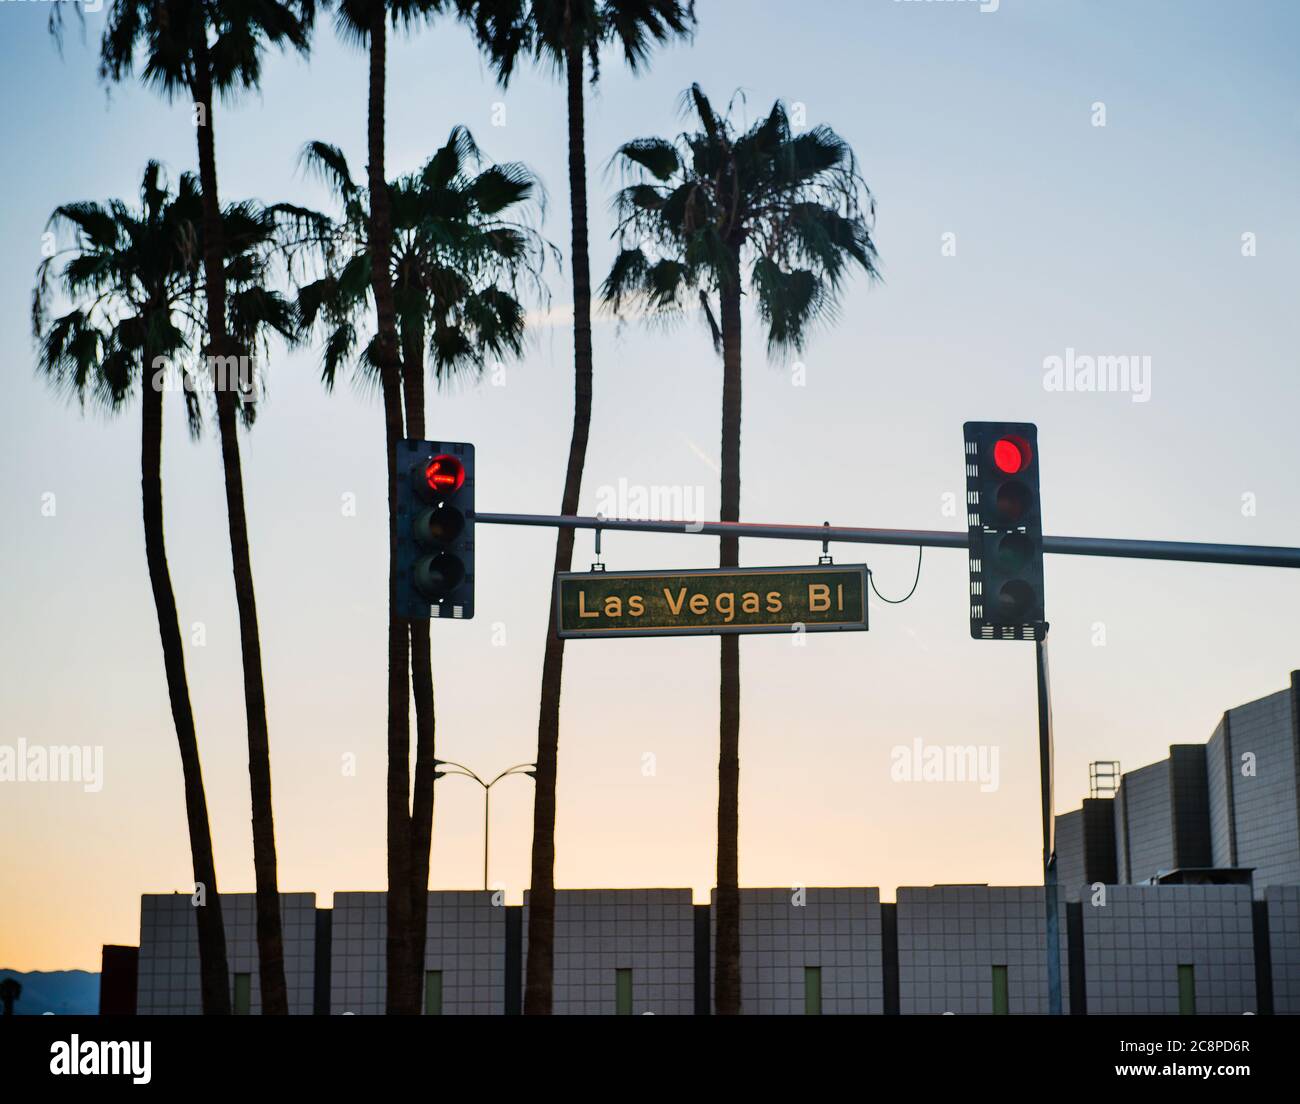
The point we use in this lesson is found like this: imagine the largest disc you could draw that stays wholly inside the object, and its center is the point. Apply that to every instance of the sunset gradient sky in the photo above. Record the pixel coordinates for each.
(1123, 239)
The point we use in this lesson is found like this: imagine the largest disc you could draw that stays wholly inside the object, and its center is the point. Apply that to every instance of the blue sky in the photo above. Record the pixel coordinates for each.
(1117, 240)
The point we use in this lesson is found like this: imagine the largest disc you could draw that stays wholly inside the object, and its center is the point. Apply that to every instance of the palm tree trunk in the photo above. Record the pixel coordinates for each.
(422, 688)
(403, 993)
(270, 945)
(727, 963)
(213, 972)
(541, 912)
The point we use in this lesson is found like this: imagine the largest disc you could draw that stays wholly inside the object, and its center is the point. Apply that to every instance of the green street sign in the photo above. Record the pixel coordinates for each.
(709, 602)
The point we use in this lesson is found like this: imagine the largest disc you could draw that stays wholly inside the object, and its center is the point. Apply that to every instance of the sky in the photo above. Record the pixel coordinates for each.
(1012, 229)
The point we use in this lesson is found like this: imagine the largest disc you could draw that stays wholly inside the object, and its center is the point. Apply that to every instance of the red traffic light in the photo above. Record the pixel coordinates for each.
(1011, 455)
(444, 475)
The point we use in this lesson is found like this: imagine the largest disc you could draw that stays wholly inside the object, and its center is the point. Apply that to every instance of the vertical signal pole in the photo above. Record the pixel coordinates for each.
(1046, 766)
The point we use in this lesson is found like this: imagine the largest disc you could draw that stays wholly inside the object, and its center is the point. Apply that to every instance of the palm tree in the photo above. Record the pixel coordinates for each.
(132, 276)
(460, 252)
(134, 281)
(567, 34)
(365, 22)
(457, 263)
(792, 210)
(10, 990)
(195, 49)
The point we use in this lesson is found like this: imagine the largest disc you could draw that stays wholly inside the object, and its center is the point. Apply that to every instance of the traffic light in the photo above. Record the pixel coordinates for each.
(435, 529)
(1004, 520)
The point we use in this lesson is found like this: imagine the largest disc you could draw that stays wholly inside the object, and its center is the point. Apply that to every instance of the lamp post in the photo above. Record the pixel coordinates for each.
(464, 771)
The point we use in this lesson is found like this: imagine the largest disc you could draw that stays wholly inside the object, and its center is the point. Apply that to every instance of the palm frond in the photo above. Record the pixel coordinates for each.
(502, 186)
(328, 164)
(626, 278)
(95, 224)
(339, 347)
(788, 301)
(657, 156)
(638, 25)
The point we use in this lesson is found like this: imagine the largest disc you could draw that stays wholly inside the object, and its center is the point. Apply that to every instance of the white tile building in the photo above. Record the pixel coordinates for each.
(464, 956)
(168, 970)
(810, 950)
(1146, 946)
(967, 949)
(1254, 799)
(1156, 949)
(1071, 865)
(1144, 824)
(629, 951)
(1284, 947)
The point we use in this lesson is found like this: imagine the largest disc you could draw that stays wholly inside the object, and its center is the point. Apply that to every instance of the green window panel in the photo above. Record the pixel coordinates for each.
(623, 992)
(433, 992)
(1001, 1001)
(812, 990)
(243, 994)
(1186, 990)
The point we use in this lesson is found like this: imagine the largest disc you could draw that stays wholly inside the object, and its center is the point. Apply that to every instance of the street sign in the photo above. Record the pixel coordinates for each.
(710, 602)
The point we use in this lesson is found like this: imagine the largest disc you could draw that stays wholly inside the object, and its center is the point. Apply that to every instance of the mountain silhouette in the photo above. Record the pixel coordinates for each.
(63, 992)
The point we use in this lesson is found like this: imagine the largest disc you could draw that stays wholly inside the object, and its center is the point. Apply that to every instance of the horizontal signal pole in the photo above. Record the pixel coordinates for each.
(1248, 555)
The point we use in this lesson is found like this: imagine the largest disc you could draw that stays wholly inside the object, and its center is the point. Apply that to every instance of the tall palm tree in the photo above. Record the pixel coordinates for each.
(567, 34)
(197, 49)
(365, 22)
(132, 277)
(134, 283)
(462, 247)
(792, 211)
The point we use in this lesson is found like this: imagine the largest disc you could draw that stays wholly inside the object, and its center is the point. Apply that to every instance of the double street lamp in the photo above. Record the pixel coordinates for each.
(460, 768)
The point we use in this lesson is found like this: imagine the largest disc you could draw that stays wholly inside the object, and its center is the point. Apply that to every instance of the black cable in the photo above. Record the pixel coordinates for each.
(920, 549)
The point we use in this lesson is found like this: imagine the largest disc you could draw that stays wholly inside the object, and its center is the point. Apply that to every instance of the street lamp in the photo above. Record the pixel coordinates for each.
(519, 768)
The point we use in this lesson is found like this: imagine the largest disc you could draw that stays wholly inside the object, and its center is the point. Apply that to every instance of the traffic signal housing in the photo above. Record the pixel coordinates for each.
(1004, 521)
(435, 529)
